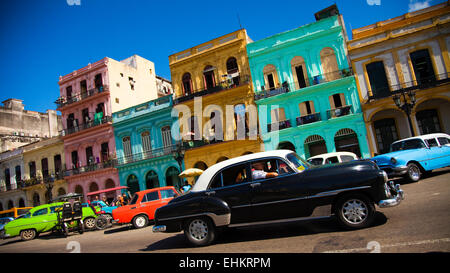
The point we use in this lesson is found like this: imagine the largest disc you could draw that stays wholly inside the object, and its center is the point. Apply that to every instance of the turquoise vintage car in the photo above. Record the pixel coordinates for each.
(40, 219)
(414, 156)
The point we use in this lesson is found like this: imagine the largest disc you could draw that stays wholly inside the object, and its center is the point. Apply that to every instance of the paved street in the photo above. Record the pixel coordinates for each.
(420, 224)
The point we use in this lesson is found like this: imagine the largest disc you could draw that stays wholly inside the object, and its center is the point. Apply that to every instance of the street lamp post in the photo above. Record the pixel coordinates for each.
(406, 106)
(179, 156)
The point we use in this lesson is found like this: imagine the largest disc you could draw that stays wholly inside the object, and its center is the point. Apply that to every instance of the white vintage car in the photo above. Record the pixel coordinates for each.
(330, 158)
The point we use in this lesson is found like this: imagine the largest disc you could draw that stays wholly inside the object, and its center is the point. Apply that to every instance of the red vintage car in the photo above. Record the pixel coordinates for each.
(141, 209)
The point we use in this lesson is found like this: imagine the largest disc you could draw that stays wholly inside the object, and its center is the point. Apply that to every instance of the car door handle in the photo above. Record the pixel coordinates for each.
(253, 185)
(210, 193)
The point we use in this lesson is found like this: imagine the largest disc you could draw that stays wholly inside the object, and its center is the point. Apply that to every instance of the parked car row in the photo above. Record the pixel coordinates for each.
(279, 186)
(50, 217)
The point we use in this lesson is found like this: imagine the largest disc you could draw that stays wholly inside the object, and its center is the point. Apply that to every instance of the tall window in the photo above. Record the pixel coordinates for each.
(74, 156)
(104, 151)
(329, 64)
(146, 142)
(89, 156)
(126, 144)
(277, 115)
(44, 165)
(208, 75)
(298, 67)
(7, 178)
(378, 80)
(386, 133)
(423, 68)
(187, 84)
(241, 118)
(306, 108)
(270, 77)
(69, 92)
(18, 173)
(32, 165)
(166, 136)
(58, 164)
(428, 121)
(98, 82)
(83, 87)
(233, 70)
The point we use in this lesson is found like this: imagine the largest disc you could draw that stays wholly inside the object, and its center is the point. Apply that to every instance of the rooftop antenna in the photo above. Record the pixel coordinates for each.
(239, 20)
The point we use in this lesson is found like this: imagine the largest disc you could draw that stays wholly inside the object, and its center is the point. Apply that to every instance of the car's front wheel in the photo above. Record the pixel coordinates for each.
(89, 223)
(140, 221)
(28, 234)
(413, 174)
(200, 231)
(355, 211)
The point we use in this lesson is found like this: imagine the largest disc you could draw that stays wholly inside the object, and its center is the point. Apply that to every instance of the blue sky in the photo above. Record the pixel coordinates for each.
(42, 39)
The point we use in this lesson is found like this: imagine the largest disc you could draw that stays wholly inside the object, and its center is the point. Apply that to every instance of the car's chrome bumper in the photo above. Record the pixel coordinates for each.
(160, 228)
(395, 171)
(396, 198)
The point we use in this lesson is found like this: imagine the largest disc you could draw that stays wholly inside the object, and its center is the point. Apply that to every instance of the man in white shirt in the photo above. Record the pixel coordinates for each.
(259, 173)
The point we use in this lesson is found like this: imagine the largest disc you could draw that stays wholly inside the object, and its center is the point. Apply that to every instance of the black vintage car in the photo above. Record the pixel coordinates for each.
(276, 186)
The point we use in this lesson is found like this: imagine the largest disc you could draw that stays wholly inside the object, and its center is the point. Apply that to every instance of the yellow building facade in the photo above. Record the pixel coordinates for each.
(214, 95)
(402, 68)
(43, 177)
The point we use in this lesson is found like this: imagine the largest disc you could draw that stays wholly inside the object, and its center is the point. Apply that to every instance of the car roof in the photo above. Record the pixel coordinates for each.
(423, 137)
(156, 189)
(204, 179)
(332, 154)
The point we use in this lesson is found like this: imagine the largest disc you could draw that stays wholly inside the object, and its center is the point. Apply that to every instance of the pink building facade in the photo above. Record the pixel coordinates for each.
(89, 146)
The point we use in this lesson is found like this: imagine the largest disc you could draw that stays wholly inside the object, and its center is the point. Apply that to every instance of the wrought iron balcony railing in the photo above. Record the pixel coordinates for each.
(87, 125)
(339, 112)
(154, 153)
(66, 100)
(310, 81)
(111, 163)
(223, 85)
(308, 119)
(417, 85)
(278, 125)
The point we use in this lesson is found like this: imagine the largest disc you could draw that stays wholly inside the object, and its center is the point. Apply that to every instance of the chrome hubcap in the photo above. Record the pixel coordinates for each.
(90, 223)
(28, 234)
(140, 221)
(198, 229)
(354, 211)
(414, 172)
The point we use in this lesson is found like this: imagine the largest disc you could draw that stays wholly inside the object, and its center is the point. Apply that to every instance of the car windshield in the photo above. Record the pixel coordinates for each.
(298, 162)
(134, 199)
(407, 145)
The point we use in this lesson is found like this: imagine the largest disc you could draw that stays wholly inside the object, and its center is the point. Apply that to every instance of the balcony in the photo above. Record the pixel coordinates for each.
(154, 153)
(339, 112)
(90, 124)
(421, 84)
(278, 125)
(111, 163)
(224, 85)
(63, 101)
(308, 119)
(310, 81)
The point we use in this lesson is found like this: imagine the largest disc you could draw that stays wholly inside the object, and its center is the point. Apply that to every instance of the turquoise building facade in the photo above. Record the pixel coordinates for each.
(306, 92)
(145, 150)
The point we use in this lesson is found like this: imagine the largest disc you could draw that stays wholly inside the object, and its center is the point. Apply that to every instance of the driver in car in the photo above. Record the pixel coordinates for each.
(259, 173)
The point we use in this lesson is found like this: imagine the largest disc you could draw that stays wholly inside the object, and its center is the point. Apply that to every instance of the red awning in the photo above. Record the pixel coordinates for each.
(106, 190)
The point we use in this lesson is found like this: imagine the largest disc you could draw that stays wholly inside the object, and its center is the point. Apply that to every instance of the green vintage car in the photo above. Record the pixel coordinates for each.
(40, 219)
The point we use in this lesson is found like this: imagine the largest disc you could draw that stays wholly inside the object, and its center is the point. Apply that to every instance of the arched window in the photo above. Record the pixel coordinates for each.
(166, 136)
(329, 64)
(172, 178)
(314, 145)
(187, 84)
(299, 72)
(36, 199)
(133, 183)
(270, 77)
(151, 180)
(346, 140)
